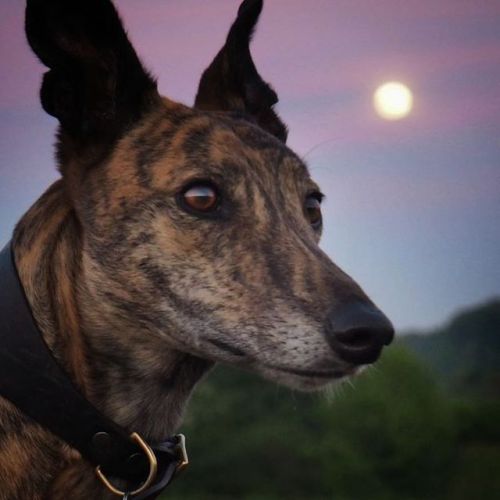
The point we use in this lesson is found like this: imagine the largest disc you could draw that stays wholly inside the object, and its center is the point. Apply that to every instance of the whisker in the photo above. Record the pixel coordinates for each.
(314, 148)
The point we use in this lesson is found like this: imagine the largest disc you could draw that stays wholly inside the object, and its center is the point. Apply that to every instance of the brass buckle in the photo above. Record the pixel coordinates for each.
(181, 453)
(153, 467)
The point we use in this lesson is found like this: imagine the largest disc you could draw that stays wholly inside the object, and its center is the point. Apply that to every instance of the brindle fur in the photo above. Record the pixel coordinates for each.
(136, 297)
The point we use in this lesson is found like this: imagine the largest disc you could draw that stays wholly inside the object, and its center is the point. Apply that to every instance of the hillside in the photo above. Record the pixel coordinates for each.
(465, 354)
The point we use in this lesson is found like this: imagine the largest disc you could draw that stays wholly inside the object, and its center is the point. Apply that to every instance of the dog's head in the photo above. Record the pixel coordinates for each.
(200, 226)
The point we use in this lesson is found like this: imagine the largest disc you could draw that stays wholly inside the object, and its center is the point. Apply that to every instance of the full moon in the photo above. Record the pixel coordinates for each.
(393, 100)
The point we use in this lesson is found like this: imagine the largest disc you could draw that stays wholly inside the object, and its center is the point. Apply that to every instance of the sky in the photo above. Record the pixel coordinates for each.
(413, 206)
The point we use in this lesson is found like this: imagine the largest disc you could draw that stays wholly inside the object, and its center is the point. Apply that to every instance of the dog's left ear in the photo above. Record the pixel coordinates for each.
(232, 83)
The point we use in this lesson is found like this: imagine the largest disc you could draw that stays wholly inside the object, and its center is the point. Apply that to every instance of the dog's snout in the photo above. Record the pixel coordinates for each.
(358, 331)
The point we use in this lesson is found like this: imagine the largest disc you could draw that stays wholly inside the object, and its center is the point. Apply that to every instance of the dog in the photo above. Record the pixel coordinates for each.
(177, 237)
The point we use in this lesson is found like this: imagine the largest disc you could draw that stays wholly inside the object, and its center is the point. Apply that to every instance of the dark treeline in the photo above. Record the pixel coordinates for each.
(422, 424)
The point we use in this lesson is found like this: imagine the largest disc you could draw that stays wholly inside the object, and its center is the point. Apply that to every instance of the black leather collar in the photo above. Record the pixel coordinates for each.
(32, 379)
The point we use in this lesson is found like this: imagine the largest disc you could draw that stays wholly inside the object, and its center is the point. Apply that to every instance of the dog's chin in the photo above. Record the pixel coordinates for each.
(305, 380)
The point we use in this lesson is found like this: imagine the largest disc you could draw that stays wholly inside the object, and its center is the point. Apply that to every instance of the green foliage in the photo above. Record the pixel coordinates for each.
(466, 353)
(477, 465)
(251, 439)
(476, 473)
(393, 434)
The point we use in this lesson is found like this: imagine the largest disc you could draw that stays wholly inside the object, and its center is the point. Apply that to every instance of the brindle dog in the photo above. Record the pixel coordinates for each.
(177, 237)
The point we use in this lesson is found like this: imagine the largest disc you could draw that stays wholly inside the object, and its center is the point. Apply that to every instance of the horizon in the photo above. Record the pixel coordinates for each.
(412, 206)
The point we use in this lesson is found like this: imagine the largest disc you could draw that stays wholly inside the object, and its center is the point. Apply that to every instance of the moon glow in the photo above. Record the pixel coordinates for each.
(393, 101)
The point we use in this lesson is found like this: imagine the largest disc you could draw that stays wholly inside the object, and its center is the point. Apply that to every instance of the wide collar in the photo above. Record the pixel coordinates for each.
(32, 379)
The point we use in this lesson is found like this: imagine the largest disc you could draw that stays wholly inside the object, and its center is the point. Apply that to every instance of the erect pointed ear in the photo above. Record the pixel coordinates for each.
(96, 85)
(232, 83)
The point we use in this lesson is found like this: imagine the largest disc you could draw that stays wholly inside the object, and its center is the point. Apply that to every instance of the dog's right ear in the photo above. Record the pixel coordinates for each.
(232, 82)
(96, 86)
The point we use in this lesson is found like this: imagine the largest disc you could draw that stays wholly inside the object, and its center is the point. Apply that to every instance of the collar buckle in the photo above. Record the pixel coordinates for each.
(181, 451)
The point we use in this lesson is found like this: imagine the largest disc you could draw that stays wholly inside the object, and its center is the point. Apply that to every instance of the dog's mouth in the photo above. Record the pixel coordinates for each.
(297, 377)
(228, 348)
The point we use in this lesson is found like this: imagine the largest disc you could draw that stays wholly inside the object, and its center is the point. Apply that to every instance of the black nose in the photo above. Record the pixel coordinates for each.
(358, 331)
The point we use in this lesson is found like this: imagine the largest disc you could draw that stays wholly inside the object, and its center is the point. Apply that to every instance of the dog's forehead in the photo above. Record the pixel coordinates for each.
(181, 142)
(237, 139)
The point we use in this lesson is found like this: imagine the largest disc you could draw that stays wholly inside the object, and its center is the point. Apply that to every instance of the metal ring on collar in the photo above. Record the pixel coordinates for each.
(153, 467)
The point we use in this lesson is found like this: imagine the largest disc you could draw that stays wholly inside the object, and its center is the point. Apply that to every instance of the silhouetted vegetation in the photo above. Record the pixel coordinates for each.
(465, 354)
(413, 427)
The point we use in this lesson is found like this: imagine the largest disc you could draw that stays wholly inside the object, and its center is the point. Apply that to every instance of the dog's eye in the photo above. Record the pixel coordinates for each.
(312, 209)
(201, 197)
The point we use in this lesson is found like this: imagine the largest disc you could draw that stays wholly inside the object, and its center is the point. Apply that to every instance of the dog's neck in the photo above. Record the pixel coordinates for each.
(135, 379)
